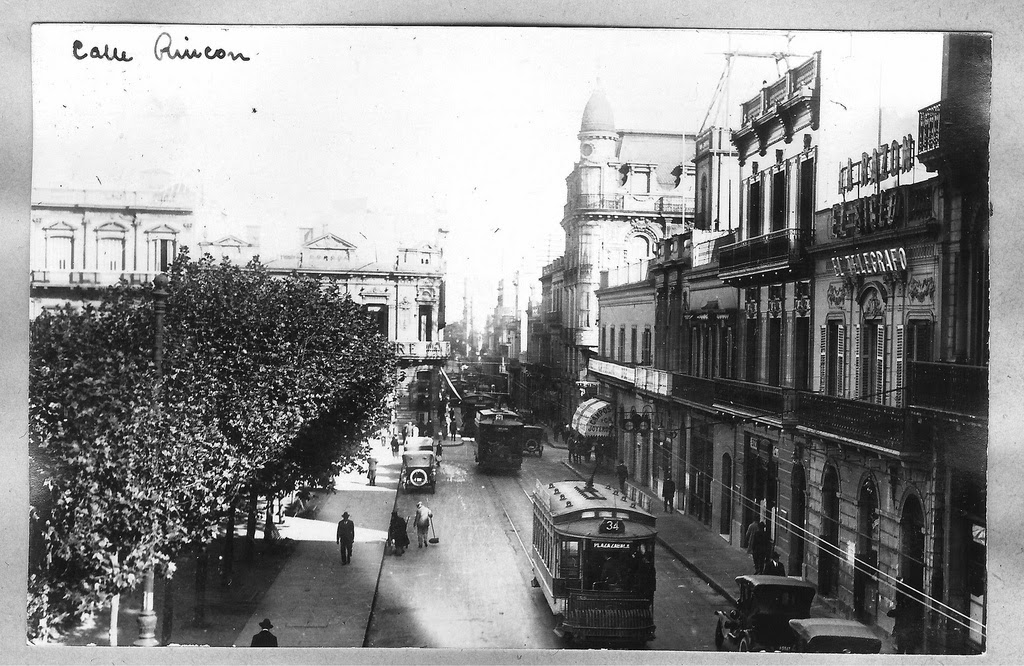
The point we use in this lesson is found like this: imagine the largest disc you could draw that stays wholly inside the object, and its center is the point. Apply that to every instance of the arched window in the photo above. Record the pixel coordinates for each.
(110, 247)
(828, 546)
(60, 247)
(638, 249)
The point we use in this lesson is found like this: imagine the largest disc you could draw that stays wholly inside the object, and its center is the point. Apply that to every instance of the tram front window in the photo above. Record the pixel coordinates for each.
(621, 569)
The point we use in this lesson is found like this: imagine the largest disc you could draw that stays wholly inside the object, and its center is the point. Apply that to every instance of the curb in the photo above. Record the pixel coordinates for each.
(679, 556)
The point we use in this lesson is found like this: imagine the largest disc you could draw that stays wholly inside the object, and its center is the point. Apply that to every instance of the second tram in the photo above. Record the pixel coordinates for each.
(499, 439)
(593, 556)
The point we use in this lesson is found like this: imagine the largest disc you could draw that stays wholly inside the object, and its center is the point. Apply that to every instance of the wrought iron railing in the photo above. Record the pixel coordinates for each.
(929, 128)
(601, 201)
(764, 399)
(786, 244)
(948, 387)
(699, 390)
(857, 420)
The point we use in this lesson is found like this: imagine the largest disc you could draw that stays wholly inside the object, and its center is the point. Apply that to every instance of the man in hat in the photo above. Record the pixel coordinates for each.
(346, 536)
(623, 473)
(264, 638)
(668, 492)
(422, 523)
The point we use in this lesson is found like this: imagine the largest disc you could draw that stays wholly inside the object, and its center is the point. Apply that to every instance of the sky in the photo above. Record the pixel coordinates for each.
(379, 134)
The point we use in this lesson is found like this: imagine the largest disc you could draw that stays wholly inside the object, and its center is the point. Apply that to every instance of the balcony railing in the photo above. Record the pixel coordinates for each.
(601, 201)
(929, 128)
(794, 85)
(759, 398)
(855, 420)
(637, 202)
(653, 381)
(948, 387)
(625, 373)
(98, 279)
(698, 390)
(785, 246)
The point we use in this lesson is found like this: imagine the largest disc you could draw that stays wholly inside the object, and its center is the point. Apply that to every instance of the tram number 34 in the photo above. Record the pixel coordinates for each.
(612, 527)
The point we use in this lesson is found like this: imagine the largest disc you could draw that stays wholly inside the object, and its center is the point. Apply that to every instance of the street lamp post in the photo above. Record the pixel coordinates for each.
(147, 616)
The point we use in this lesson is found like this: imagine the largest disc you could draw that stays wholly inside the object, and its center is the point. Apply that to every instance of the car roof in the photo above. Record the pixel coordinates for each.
(813, 627)
(418, 458)
(419, 444)
(780, 581)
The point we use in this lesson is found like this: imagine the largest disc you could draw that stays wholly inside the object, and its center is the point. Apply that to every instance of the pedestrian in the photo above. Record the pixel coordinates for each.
(668, 492)
(453, 428)
(394, 446)
(438, 450)
(623, 473)
(422, 522)
(346, 537)
(906, 628)
(264, 638)
(774, 567)
(371, 470)
(397, 534)
(759, 546)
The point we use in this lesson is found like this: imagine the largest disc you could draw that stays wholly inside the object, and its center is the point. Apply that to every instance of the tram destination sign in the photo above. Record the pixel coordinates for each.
(611, 545)
(612, 527)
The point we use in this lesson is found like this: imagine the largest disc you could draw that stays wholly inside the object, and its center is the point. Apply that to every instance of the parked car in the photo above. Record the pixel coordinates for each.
(826, 634)
(419, 465)
(760, 620)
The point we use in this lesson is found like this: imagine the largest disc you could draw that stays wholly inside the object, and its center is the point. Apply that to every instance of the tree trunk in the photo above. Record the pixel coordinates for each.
(250, 526)
(228, 556)
(115, 607)
(167, 625)
(199, 610)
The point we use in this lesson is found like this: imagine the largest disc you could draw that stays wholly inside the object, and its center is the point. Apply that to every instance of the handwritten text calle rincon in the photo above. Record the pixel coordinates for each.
(163, 50)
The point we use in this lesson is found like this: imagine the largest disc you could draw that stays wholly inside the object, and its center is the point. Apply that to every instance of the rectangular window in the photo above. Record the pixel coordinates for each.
(805, 214)
(646, 356)
(60, 253)
(919, 340)
(725, 351)
(611, 342)
(632, 346)
(751, 351)
(754, 204)
(165, 249)
(569, 560)
(779, 200)
(801, 353)
(603, 335)
(872, 360)
(426, 323)
(774, 351)
(622, 344)
(110, 254)
(833, 357)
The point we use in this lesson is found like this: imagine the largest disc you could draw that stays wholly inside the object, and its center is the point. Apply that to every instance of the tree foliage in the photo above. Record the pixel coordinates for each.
(267, 383)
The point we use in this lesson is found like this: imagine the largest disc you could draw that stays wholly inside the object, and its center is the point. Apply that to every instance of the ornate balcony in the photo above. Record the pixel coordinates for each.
(781, 103)
(857, 422)
(930, 146)
(950, 388)
(678, 205)
(587, 337)
(779, 255)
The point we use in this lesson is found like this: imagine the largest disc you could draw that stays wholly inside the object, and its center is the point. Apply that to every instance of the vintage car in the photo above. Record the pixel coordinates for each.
(826, 634)
(533, 440)
(419, 465)
(760, 620)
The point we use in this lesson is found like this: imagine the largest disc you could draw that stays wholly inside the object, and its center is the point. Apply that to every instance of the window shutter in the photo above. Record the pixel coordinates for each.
(841, 361)
(880, 365)
(855, 389)
(900, 351)
(822, 369)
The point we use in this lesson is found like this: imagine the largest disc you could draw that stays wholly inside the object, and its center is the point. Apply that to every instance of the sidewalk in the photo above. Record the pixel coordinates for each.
(316, 601)
(709, 556)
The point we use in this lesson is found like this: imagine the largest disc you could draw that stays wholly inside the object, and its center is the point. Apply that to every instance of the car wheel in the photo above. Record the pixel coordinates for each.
(745, 644)
(719, 636)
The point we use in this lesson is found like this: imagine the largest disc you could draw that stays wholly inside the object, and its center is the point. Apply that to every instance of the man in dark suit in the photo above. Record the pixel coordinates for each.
(346, 536)
(264, 638)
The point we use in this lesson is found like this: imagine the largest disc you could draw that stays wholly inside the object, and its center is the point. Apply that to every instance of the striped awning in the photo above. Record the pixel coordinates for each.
(593, 418)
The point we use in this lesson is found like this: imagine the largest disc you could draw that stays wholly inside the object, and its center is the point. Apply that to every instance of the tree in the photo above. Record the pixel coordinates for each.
(267, 383)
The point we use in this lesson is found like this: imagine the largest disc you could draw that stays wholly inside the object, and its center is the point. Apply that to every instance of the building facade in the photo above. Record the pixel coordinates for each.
(405, 294)
(628, 190)
(820, 359)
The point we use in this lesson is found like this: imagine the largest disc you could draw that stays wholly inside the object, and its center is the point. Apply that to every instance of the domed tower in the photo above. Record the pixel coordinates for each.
(597, 130)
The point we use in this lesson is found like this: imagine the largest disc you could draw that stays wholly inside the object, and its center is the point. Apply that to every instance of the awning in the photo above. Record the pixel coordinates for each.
(451, 387)
(593, 418)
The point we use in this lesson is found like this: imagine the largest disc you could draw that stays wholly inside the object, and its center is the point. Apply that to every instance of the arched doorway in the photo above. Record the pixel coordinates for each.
(828, 546)
(865, 578)
(725, 527)
(912, 539)
(798, 517)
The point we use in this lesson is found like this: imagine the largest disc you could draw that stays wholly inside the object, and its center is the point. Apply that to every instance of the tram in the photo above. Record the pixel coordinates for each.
(593, 556)
(499, 439)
